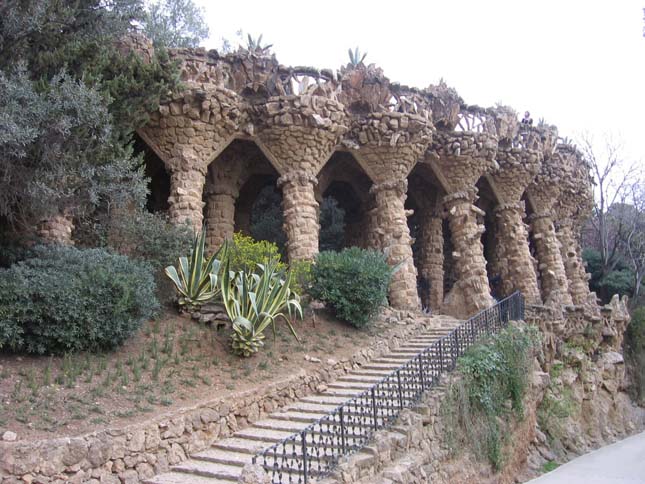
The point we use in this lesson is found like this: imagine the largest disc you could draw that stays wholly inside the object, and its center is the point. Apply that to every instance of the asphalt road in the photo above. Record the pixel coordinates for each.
(619, 463)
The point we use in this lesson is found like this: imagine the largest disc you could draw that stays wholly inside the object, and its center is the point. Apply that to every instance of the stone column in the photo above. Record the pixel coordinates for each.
(471, 292)
(56, 230)
(300, 210)
(300, 133)
(515, 261)
(220, 216)
(555, 288)
(186, 189)
(187, 132)
(394, 239)
(574, 267)
(431, 261)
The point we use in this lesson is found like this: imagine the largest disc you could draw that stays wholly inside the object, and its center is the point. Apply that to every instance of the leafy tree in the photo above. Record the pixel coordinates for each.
(69, 101)
(175, 23)
(617, 228)
(58, 150)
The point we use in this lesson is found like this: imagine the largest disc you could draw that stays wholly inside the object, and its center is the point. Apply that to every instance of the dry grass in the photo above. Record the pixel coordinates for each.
(172, 362)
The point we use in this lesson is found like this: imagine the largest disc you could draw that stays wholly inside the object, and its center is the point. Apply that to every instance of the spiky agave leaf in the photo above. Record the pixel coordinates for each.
(197, 278)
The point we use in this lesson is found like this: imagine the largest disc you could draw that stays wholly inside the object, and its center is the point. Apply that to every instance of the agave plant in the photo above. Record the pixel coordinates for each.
(355, 57)
(255, 45)
(253, 301)
(197, 277)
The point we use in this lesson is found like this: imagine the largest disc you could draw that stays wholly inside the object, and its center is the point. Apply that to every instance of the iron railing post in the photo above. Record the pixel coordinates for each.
(303, 436)
(374, 408)
(423, 386)
(343, 441)
(398, 380)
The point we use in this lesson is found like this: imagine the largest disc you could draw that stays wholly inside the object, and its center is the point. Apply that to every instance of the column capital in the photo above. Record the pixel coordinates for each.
(509, 207)
(399, 185)
(232, 191)
(301, 178)
(540, 215)
(469, 195)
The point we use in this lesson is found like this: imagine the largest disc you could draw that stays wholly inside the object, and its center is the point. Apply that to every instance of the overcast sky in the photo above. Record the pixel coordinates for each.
(577, 64)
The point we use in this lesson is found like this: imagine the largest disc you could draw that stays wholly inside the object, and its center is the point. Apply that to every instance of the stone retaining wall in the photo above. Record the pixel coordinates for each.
(130, 454)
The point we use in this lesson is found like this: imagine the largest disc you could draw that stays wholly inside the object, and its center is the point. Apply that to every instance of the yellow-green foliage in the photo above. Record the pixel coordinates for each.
(246, 253)
(301, 272)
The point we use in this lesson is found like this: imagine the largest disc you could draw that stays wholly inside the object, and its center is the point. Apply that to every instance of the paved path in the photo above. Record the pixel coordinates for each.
(619, 463)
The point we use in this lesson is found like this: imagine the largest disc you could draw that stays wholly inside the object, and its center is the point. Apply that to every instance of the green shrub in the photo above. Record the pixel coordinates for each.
(68, 299)
(481, 404)
(301, 273)
(245, 253)
(635, 353)
(150, 237)
(353, 283)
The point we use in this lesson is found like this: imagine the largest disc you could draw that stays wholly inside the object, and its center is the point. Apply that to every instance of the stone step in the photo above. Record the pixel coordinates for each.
(183, 478)
(360, 378)
(223, 457)
(345, 391)
(245, 446)
(324, 399)
(306, 407)
(222, 463)
(352, 384)
(301, 417)
(376, 372)
(392, 361)
(265, 435)
(284, 425)
(401, 356)
(209, 469)
(385, 367)
(409, 351)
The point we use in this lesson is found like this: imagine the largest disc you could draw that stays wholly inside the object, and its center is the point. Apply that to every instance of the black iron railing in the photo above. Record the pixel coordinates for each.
(315, 450)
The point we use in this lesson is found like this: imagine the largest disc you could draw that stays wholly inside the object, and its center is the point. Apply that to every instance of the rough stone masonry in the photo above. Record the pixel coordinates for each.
(244, 121)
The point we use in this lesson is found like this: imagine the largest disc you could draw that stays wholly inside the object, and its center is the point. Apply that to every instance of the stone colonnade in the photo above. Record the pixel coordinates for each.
(388, 129)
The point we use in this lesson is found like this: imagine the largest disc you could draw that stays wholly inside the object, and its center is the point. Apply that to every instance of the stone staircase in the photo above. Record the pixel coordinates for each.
(223, 462)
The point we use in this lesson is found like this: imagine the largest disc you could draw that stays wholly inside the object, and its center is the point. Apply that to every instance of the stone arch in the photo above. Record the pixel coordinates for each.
(529, 211)
(233, 181)
(487, 202)
(344, 179)
(425, 223)
(157, 174)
